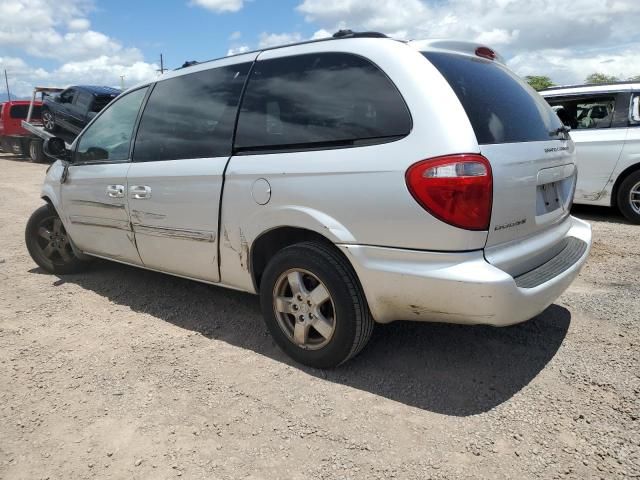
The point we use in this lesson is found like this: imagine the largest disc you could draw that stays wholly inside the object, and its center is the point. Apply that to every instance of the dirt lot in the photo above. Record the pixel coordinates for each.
(124, 373)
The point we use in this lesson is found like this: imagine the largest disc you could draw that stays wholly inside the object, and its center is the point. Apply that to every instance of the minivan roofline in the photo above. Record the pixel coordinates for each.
(451, 46)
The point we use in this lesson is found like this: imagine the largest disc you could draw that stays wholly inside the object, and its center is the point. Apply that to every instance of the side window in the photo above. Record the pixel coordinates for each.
(108, 138)
(67, 96)
(634, 114)
(191, 116)
(321, 99)
(83, 100)
(585, 112)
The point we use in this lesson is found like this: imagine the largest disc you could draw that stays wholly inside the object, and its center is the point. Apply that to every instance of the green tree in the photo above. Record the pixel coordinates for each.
(539, 82)
(601, 78)
(635, 78)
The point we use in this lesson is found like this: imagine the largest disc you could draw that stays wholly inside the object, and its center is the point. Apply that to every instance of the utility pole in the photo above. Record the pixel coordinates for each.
(6, 81)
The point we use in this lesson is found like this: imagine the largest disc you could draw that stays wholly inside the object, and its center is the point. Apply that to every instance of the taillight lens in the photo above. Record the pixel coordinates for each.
(457, 189)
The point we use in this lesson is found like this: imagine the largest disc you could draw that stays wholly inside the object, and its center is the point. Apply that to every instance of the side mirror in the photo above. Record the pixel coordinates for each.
(635, 109)
(55, 147)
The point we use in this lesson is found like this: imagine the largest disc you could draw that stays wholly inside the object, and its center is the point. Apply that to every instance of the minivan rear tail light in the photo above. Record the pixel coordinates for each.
(457, 189)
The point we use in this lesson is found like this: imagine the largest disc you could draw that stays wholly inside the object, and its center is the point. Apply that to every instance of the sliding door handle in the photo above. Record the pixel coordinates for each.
(140, 192)
(115, 191)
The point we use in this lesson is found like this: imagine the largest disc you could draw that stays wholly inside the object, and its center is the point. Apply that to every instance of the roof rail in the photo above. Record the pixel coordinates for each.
(352, 34)
(604, 84)
(339, 35)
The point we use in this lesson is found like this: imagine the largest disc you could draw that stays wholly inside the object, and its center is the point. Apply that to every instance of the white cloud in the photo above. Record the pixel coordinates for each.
(238, 50)
(235, 36)
(565, 36)
(79, 24)
(61, 31)
(220, 6)
(274, 39)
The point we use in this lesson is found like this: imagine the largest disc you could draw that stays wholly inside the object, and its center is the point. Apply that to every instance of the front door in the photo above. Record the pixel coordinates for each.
(176, 178)
(94, 195)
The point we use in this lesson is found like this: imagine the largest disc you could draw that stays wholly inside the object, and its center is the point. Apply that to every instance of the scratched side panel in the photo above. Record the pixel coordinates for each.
(176, 227)
(97, 223)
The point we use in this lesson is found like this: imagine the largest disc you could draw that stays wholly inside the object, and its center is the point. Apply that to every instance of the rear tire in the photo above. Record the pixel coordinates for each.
(49, 245)
(629, 197)
(314, 306)
(36, 154)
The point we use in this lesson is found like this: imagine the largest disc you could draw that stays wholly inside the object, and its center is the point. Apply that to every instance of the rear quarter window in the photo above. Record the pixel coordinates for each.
(317, 101)
(20, 111)
(501, 107)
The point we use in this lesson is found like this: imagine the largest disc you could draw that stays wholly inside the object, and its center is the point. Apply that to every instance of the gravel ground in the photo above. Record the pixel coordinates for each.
(124, 373)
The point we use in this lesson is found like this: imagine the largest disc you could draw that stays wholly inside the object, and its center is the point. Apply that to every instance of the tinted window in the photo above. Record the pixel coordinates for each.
(67, 96)
(109, 137)
(191, 116)
(501, 107)
(319, 99)
(585, 112)
(101, 101)
(21, 111)
(84, 100)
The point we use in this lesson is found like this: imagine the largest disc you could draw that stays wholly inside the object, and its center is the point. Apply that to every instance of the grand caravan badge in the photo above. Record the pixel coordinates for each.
(510, 225)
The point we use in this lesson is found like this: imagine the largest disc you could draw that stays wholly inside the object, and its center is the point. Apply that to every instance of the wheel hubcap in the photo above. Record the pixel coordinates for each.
(634, 198)
(304, 309)
(48, 120)
(53, 240)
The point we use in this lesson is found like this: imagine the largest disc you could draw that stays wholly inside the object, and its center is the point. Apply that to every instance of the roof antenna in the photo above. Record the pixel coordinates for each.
(6, 81)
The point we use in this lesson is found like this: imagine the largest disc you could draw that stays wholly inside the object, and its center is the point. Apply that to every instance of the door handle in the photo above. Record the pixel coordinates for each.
(140, 192)
(115, 191)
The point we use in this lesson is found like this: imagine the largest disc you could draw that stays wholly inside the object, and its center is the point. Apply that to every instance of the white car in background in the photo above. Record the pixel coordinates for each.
(605, 126)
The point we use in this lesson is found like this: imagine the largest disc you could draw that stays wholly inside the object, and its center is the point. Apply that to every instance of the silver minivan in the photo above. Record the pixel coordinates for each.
(347, 181)
(605, 126)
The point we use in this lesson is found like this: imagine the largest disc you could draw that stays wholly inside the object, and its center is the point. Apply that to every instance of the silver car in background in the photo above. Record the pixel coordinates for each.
(605, 126)
(346, 181)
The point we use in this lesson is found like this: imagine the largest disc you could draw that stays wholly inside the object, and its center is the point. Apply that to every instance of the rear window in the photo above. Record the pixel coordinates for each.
(317, 101)
(501, 107)
(101, 101)
(21, 111)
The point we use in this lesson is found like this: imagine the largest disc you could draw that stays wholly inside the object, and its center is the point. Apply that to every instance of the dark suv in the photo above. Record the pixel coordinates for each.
(74, 107)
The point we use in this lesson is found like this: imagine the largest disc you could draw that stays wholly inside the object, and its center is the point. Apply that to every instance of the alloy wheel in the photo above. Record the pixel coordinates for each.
(304, 309)
(47, 119)
(53, 240)
(634, 198)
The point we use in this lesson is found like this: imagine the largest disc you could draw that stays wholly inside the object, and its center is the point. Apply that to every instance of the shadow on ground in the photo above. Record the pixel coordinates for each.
(449, 369)
(600, 214)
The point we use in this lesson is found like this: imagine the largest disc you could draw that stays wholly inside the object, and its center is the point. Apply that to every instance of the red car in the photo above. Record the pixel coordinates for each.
(14, 138)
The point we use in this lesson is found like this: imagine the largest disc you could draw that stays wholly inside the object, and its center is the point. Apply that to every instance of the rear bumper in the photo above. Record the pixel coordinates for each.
(461, 287)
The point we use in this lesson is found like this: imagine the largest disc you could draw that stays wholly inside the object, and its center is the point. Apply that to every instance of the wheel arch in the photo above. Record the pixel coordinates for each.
(621, 177)
(271, 241)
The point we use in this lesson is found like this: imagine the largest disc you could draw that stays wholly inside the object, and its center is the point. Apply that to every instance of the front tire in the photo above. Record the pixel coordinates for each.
(314, 306)
(629, 197)
(48, 120)
(48, 243)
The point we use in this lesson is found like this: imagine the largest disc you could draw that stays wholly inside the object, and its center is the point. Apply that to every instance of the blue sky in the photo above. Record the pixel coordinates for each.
(183, 32)
(63, 42)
